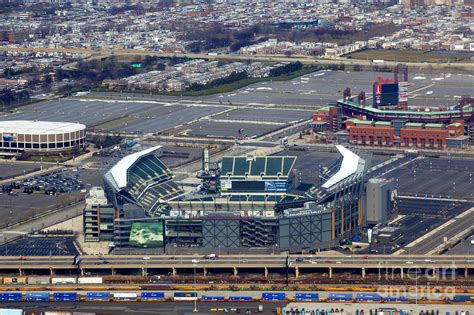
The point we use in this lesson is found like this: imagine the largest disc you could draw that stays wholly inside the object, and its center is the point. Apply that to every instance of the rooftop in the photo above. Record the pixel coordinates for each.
(38, 127)
(119, 171)
(350, 165)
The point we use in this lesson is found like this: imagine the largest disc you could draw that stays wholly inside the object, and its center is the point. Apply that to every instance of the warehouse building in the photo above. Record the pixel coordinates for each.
(19, 136)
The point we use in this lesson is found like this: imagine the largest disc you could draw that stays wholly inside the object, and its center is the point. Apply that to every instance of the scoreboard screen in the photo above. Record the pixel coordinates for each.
(385, 94)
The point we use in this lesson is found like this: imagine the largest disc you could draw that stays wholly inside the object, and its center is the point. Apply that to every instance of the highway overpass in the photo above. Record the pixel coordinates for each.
(397, 266)
(100, 53)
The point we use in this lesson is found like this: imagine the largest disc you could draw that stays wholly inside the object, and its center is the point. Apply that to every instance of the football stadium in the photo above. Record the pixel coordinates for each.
(257, 204)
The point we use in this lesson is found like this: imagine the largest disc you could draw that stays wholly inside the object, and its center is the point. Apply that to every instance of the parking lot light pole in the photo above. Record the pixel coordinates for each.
(195, 290)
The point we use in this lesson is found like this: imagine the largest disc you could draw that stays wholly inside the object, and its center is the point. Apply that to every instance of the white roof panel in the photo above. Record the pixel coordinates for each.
(38, 127)
(349, 165)
(119, 171)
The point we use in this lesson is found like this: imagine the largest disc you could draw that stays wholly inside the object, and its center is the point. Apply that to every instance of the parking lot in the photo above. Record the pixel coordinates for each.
(40, 246)
(438, 89)
(132, 116)
(266, 115)
(210, 128)
(11, 169)
(448, 177)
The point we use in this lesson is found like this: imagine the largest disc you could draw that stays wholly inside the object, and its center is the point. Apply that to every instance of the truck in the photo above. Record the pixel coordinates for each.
(210, 256)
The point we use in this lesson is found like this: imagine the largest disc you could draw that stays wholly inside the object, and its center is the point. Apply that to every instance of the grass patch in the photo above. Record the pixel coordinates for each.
(418, 56)
(49, 158)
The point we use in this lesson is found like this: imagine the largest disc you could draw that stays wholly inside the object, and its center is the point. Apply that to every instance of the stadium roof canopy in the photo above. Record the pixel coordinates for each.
(119, 172)
(264, 167)
(351, 165)
(142, 179)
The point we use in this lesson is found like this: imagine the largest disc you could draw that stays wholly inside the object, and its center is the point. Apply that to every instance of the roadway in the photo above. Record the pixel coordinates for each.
(240, 261)
(101, 53)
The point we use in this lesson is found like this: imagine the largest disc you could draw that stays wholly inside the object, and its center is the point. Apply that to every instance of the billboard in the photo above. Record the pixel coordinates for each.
(385, 94)
(278, 186)
(147, 234)
(226, 184)
(9, 137)
(403, 92)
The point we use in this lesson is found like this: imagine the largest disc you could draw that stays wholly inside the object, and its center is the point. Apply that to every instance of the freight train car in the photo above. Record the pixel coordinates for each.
(306, 297)
(125, 296)
(368, 297)
(89, 280)
(396, 299)
(39, 280)
(463, 299)
(185, 296)
(210, 298)
(11, 296)
(14, 280)
(63, 280)
(273, 296)
(65, 296)
(240, 298)
(37, 296)
(152, 296)
(98, 296)
(342, 297)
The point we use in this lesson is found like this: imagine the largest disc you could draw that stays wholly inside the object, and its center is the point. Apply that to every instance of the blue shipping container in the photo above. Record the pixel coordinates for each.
(240, 298)
(306, 296)
(152, 296)
(37, 297)
(98, 296)
(396, 299)
(269, 296)
(368, 297)
(212, 298)
(65, 296)
(340, 296)
(11, 297)
(463, 298)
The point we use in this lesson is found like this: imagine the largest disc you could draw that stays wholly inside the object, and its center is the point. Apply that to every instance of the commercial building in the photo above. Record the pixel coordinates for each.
(328, 118)
(40, 136)
(404, 134)
(378, 200)
(98, 218)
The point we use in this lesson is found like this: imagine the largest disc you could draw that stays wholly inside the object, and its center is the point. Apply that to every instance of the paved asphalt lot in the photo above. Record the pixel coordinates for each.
(209, 128)
(437, 176)
(9, 169)
(266, 114)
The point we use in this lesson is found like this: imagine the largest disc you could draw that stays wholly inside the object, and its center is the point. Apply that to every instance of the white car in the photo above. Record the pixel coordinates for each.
(195, 261)
(146, 258)
(409, 262)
